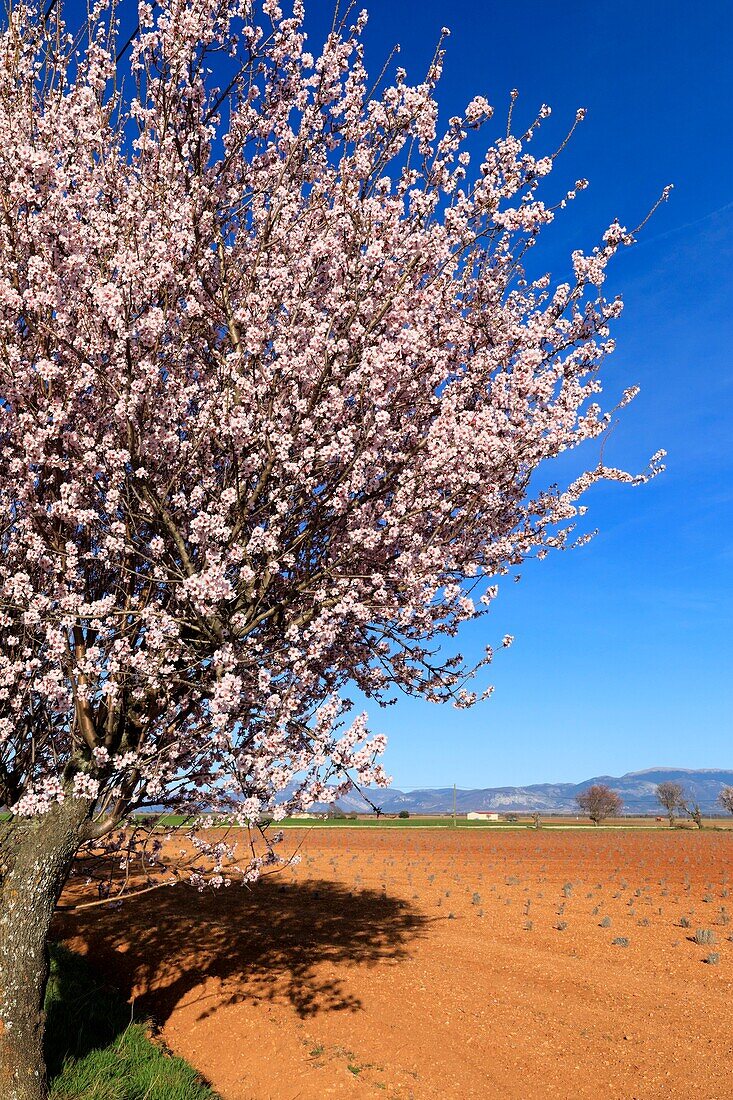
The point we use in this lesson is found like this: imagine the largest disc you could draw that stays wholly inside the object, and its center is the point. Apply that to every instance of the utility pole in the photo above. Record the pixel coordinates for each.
(454, 805)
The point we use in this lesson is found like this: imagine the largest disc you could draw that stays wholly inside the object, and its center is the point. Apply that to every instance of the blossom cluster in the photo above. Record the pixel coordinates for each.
(273, 395)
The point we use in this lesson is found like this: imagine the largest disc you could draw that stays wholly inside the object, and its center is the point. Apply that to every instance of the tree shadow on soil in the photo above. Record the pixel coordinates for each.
(266, 943)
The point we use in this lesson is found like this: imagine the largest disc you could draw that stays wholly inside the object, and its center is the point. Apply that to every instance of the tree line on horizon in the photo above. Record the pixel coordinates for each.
(599, 801)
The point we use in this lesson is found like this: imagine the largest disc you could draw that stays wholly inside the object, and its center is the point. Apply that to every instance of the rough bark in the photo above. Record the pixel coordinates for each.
(36, 860)
(695, 814)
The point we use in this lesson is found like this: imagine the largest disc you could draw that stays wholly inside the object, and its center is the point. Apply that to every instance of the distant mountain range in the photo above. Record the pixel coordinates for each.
(636, 790)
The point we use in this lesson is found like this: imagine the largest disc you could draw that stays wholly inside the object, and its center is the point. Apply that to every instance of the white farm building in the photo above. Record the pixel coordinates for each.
(483, 815)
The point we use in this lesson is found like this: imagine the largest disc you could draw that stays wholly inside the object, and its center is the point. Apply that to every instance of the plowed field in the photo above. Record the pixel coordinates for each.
(444, 963)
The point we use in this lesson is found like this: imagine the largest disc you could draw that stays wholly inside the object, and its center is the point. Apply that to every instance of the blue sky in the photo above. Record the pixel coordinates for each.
(623, 652)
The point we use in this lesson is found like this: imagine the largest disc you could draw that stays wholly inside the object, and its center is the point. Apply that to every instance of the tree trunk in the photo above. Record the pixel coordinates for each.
(36, 861)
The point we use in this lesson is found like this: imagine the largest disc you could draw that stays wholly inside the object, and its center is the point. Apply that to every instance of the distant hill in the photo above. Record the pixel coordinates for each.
(635, 788)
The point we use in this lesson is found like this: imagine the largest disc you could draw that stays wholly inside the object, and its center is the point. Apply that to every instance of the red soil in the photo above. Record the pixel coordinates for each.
(400, 963)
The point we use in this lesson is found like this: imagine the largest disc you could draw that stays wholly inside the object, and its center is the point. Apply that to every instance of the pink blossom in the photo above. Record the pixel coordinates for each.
(275, 413)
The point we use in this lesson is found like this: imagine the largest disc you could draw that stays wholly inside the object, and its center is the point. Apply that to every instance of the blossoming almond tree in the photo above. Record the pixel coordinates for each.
(273, 390)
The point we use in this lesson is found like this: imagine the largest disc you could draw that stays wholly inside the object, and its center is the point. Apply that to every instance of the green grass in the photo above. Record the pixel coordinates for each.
(447, 823)
(416, 822)
(421, 822)
(174, 820)
(94, 1052)
(377, 822)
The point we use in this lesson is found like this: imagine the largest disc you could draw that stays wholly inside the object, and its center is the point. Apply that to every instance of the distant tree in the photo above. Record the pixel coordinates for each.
(670, 795)
(536, 821)
(725, 798)
(692, 809)
(599, 802)
(404, 814)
